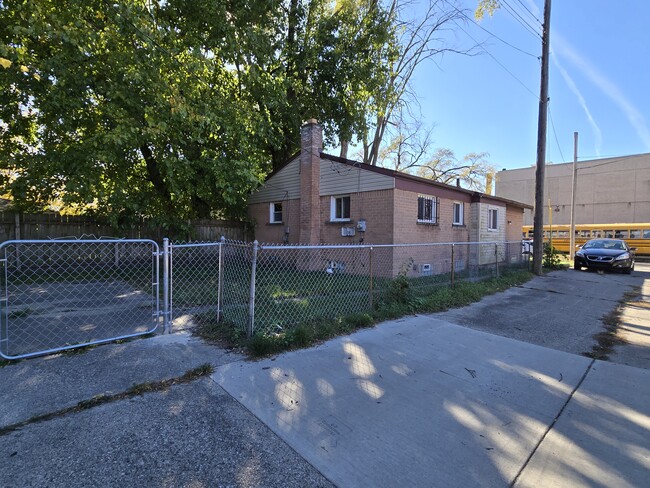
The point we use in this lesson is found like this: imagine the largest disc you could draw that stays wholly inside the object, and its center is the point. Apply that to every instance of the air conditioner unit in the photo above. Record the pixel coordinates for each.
(425, 269)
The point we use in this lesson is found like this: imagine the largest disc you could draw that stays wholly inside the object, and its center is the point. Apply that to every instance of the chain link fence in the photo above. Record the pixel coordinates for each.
(56, 295)
(271, 288)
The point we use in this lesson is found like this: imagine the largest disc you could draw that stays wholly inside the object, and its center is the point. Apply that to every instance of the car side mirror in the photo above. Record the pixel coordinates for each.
(633, 249)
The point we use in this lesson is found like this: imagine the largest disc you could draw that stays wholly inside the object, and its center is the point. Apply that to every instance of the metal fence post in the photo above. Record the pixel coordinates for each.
(166, 304)
(496, 258)
(370, 271)
(453, 265)
(220, 281)
(251, 299)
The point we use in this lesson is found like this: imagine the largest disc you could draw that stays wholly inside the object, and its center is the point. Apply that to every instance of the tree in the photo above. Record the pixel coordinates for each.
(106, 109)
(472, 170)
(411, 150)
(419, 39)
(175, 109)
(486, 7)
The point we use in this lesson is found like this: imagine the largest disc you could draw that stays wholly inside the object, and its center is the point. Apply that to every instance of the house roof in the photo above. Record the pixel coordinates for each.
(476, 196)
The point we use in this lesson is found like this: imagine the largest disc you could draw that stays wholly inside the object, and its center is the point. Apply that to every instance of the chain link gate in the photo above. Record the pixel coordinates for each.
(62, 294)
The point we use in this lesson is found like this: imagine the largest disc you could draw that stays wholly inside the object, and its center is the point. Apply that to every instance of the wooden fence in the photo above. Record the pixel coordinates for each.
(14, 225)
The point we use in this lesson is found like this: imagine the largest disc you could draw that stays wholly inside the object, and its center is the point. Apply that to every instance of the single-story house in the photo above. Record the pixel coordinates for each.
(316, 198)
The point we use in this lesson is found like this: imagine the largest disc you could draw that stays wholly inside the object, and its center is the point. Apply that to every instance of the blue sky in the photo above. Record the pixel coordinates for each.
(599, 83)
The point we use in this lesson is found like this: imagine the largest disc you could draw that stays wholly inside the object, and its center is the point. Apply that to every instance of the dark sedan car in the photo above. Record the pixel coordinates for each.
(606, 254)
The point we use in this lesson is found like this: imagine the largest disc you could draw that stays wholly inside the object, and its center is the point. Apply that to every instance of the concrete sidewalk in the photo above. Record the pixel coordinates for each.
(192, 434)
(422, 402)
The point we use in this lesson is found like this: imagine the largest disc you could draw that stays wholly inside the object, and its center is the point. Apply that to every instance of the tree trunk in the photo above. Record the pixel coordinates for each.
(344, 149)
(155, 177)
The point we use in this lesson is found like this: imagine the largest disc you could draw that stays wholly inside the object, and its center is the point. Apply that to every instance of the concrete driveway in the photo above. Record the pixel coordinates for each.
(422, 401)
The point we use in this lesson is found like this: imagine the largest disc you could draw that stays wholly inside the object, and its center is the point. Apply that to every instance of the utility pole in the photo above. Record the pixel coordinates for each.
(572, 230)
(538, 220)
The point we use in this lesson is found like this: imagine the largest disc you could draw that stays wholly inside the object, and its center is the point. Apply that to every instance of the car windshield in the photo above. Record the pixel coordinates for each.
(605, 244)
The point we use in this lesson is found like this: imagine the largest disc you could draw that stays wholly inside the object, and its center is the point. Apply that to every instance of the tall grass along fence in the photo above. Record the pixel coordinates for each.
(267, 289)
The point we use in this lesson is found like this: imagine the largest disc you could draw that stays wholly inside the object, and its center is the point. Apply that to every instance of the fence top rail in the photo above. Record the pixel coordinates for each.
(375, 246)
(77, 241)
(197, 244)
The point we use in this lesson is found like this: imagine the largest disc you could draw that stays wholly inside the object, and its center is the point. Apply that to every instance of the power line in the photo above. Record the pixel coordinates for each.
(498, 62)
(491, 33)
(515, 15)
(529, 12)
(555, 133)
(603, 164)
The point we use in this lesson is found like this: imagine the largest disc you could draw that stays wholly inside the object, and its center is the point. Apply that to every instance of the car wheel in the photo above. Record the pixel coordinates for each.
(576, 266)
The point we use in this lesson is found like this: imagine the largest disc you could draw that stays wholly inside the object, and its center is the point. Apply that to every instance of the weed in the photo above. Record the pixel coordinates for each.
(606, 340)
(20, 313)
(191, 375)
(551, 258)
(6, 362)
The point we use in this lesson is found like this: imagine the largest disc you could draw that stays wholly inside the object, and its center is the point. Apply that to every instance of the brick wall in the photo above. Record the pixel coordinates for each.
(376, 207)
(265, 232)
(407, 231)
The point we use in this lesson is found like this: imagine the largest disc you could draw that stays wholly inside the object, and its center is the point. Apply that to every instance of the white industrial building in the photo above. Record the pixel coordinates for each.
(608, 190)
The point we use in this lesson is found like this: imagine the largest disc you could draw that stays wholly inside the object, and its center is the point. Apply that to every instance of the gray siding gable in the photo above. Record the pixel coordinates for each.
(338, 179)
(283, 185)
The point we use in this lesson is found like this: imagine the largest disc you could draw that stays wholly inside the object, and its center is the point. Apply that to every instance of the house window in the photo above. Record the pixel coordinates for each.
(427, 210)
(340, 208)
(275, 216)
(458, 213)
(493, 215)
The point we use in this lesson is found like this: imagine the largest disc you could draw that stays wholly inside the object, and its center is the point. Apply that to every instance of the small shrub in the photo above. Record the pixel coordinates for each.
(300, 336)
(359, 320)
(260, 345)
(551, 259)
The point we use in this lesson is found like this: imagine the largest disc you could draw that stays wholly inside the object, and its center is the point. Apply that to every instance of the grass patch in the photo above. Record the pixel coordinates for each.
(135, 390)
(399, 299)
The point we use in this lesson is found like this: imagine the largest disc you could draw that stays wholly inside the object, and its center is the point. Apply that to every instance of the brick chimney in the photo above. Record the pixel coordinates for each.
(311, 144)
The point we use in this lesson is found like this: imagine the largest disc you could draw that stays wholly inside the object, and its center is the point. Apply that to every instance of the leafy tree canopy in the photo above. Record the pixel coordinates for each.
(175, 110)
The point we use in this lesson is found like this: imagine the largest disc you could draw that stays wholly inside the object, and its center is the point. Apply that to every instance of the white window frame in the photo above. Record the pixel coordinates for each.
(273, 212)
(333, 200)
(461, 213)
(434, 209)
(493, 219)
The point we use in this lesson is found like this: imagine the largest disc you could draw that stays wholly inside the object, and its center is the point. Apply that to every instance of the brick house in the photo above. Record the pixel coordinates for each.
(316, 198)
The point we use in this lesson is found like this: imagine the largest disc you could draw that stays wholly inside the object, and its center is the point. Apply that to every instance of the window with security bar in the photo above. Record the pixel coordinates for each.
(427, 209)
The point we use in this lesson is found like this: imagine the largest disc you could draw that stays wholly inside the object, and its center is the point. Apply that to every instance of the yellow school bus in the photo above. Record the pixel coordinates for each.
(636, 235)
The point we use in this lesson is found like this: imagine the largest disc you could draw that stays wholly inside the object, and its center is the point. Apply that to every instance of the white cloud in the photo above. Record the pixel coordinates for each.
(598, 135)
(636, 119)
